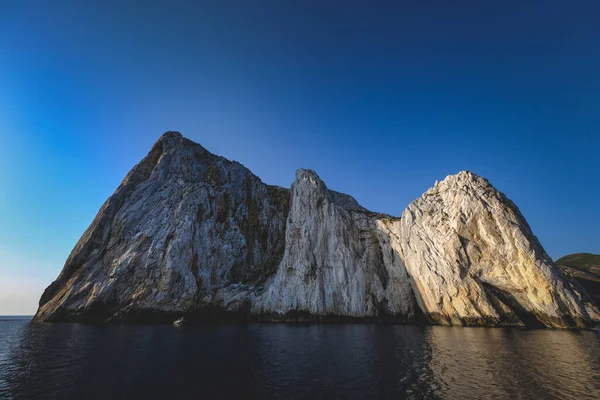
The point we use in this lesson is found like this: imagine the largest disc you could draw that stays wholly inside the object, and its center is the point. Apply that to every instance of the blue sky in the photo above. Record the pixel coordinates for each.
(380, 98)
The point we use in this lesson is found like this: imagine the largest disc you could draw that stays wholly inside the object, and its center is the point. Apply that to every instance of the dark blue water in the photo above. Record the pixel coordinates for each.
(64, 361)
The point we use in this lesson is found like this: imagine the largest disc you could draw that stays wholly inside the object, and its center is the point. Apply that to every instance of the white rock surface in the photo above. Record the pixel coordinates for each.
(191, 233)
(474, 260)
(337, 260)
(181, 228)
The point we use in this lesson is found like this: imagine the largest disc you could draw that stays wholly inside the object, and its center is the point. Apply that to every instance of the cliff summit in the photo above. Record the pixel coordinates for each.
(189, 233)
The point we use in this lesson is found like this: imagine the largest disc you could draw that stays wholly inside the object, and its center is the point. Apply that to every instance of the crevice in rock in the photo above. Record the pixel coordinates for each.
(528, 319)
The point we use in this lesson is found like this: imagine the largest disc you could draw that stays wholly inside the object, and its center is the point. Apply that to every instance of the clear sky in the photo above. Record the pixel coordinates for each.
(380, 98)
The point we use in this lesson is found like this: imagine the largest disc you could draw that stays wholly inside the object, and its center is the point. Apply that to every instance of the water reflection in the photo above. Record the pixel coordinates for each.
(504, 363)
(295, 361)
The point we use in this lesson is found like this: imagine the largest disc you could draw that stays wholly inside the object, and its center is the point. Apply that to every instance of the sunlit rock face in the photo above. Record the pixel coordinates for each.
(191, 233)
(337, 261)
(474, 260)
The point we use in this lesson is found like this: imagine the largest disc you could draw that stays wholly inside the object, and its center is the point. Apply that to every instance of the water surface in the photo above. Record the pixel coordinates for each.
(69, 360)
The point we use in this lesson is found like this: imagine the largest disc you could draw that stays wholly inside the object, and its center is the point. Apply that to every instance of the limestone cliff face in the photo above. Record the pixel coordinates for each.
(181, 227)
(337, 260)
(474, 260)
(191, 233)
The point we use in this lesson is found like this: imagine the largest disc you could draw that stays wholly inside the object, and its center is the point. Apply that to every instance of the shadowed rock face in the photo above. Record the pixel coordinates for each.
(182, 226)
(191, 233)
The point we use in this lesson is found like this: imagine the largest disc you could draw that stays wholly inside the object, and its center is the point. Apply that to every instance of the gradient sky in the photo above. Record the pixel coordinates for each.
(380, 98)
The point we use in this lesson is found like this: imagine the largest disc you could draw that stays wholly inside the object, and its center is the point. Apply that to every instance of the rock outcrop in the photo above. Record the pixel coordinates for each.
(474, 260)
(183, 225)
(189, 233)
(337, 261)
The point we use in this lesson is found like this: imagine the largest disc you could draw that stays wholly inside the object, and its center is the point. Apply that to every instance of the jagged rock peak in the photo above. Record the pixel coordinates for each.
(174, 140)
(191, 233)
(308, 175)
(182, 225)
(464, 179)
(173, 134)
(309, 180)
(170, 135)
(337, 261)
(168, 141)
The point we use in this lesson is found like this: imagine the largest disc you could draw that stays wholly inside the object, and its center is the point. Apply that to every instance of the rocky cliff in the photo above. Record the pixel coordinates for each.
(191, 233)
(474, 260)
(337, 261)
(186, 230)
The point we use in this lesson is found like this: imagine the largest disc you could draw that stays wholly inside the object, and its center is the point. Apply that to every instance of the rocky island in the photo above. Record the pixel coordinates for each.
(191, 234)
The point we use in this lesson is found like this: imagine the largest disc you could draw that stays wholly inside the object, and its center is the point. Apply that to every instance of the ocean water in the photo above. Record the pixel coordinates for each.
(79, 361)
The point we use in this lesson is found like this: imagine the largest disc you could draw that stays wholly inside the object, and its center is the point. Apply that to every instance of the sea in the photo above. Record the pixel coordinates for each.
(294, 361)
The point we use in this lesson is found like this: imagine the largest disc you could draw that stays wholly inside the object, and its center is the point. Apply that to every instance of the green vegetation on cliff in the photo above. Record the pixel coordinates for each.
(585, 267)
(581, 261)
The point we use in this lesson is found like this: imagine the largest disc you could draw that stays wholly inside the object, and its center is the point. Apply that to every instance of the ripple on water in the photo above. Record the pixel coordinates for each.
(41, 360)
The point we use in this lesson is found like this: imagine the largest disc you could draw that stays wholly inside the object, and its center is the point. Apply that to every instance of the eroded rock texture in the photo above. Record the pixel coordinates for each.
(191, 233)
(474, 260)
(183, 226)
(337, 260)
